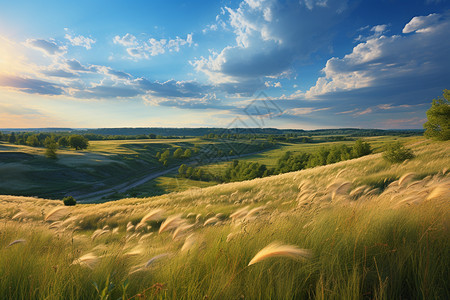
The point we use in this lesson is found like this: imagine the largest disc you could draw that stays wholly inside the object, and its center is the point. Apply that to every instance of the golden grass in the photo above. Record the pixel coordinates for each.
(276, 249)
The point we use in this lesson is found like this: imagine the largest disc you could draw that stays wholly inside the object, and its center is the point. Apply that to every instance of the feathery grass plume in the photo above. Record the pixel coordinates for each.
(154, 215)
(18, 215)
(278, 250)
(16, 242)
(57, 213)
(170, 223)
(232, 235)
(255, 211)
(98, 233)
(188, 243)
(444, 171)
(240, 213)
(406, 178)
(340, 172)
(342, 189)
(190, 215)
(181, 229)
(144, 237)
(439, 191)
(89, 260)
(135, 251)
(130, 227)
(151, 261)
(56, 224)
(358, 191)
(115, 230)
(211, 221)
(155, 258)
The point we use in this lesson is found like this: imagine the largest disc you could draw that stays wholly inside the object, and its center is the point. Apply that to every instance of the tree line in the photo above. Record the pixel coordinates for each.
(288, 162)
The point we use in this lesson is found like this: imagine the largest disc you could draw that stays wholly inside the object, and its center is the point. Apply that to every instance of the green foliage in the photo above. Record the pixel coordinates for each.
(51, 147)
(182, 170)
(78, 142)
(396, 153)
(438, 124)
(32, 141)
(63, 141)
(187, 153)
(360, 149)
(12, 138)
(69, 201)
(178, 153)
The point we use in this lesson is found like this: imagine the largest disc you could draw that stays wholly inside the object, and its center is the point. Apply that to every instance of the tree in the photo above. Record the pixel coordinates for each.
(50, 150)
(178, 153)
(187, 153)
(33, 141)
(78, 142)
(152, 136)
(182, 170)
(438, 124)
(12, 138)
(165, 156)
(63, 142)
(361, 148)
(396, 153)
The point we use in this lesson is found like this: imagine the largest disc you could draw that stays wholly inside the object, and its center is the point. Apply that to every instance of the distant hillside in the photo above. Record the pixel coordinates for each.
(205, 131)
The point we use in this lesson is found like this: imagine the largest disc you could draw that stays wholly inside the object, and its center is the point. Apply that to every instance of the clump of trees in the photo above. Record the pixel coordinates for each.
(78, 142)
(288, 162)
(179, 154)
(438, 124)
(396, 153)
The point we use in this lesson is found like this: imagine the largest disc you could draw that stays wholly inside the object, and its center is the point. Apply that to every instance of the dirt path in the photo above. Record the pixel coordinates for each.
(123, 187)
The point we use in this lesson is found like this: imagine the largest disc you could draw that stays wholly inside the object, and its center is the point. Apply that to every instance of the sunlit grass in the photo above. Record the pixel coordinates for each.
(387, 240)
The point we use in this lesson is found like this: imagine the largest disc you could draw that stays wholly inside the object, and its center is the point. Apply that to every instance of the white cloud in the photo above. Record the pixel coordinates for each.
(126, 40)
(408, 61)
(79, 40)
(421, 23)
(49, 47)
(139, 49)
(270, 36)
(299, 111)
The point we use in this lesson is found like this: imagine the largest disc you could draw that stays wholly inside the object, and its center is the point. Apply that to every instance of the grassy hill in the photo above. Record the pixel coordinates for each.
(358, 229)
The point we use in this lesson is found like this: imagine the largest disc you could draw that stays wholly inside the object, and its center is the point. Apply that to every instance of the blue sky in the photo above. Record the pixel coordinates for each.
(255, 63)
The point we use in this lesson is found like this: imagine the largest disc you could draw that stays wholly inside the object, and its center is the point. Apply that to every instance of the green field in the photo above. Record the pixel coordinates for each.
(334, 233)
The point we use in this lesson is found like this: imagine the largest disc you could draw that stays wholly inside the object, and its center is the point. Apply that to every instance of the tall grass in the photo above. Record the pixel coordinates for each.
(375, 232)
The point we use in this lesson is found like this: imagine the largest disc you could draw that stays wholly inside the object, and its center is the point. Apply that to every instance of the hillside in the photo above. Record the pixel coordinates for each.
(368, 229)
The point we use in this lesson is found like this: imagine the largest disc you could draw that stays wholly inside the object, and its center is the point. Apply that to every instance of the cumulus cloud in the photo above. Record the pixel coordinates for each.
(397, 62)
(48, 47)
(79, 40)
(140, 49)
(421, 23)
(270, 36)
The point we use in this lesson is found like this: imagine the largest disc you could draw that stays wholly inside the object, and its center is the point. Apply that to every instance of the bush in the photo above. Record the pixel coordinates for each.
(69, 201)
(396, 153)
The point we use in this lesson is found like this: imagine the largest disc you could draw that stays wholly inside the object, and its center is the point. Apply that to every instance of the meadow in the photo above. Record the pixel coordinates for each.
(357, 229)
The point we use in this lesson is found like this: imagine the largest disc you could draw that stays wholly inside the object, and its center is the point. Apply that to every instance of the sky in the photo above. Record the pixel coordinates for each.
(304, 64)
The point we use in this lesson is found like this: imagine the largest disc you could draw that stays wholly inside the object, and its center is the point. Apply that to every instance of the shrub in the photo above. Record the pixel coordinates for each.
(396, 153)
(69, 201)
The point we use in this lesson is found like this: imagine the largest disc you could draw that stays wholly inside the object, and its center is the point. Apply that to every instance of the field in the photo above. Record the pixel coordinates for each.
(357, 229)
(104, 165)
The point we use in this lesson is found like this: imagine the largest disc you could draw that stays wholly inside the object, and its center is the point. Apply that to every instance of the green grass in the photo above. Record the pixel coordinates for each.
(391, 244)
